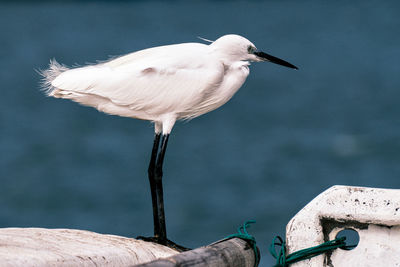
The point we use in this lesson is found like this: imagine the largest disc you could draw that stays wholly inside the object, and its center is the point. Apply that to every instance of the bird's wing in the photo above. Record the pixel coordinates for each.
(157, 80)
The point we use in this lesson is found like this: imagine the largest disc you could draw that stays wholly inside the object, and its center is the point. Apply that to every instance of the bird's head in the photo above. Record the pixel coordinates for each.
(235, 47)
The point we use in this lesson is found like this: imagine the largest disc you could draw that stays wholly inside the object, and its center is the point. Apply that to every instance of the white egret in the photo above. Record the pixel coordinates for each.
(161, 84)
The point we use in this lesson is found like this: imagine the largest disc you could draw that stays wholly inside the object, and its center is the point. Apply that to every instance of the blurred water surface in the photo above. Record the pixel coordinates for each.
(285, 137)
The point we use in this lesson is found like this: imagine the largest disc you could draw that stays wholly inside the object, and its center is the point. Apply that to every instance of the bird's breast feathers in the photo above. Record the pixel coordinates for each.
(233, 78)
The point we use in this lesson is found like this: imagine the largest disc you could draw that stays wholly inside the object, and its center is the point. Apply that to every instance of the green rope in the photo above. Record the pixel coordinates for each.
(282, 260)
(243, 234)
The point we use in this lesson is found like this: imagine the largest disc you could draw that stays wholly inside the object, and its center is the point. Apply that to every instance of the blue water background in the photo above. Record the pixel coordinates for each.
(285, 136)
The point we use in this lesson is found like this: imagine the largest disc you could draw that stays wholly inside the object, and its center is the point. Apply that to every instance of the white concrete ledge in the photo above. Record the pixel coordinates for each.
(63, 247)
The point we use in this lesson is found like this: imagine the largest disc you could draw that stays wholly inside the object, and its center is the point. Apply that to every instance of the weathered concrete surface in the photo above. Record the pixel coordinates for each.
(233, 252)
(374, 213)
(63, 247)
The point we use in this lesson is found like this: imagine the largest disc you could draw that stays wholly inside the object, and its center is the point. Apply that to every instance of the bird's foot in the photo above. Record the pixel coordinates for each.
(164, 242)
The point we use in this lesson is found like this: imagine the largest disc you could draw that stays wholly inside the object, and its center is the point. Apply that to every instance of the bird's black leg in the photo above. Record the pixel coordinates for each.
(161, 236)
(151, 173)
(155, 178)
(162, 232)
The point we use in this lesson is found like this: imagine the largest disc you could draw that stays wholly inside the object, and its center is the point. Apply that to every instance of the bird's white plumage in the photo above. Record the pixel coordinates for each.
(160, 84)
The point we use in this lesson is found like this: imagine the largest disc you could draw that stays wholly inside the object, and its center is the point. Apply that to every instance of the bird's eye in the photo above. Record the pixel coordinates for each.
(251, 49)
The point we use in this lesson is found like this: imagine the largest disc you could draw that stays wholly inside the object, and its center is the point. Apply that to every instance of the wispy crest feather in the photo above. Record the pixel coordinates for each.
(48, 75)
(204, 39)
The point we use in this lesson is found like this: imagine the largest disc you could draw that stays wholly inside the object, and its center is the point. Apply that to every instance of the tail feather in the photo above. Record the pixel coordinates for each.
(48, 76)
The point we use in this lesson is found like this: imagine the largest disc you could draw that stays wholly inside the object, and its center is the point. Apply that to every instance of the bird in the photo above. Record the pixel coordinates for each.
(161, 84)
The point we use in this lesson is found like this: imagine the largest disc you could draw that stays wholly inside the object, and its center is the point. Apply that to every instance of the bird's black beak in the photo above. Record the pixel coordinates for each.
(265, 57)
